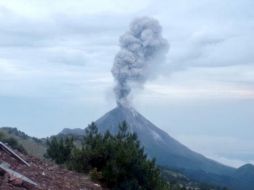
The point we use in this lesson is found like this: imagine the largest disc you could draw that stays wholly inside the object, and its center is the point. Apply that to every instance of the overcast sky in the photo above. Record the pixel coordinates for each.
(56, 57)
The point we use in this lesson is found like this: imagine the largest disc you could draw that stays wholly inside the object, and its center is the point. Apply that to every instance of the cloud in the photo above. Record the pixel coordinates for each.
(229, 82)
(194, 91)
(234, 152)
(208, 33)
(42, 56)
(230, 162)
(46, 43)
(211, 50)
(41, 9)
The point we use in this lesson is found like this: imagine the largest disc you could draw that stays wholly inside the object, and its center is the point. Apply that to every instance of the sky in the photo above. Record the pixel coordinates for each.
(56, 59)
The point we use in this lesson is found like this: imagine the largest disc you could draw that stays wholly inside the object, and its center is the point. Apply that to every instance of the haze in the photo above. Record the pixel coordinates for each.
(56, 57)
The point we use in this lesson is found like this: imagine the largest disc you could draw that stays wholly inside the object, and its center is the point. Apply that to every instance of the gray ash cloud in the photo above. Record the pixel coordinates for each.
(142, 49)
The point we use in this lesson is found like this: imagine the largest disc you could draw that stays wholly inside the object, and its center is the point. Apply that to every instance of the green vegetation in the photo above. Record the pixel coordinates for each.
(117, 161)
(60, 149)
(33, 146)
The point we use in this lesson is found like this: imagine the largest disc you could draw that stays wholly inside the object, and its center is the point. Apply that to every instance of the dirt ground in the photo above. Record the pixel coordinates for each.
(47, 175)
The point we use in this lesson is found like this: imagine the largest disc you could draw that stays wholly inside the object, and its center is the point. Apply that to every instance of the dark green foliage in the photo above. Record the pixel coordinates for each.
(117, 161)
(59, 149)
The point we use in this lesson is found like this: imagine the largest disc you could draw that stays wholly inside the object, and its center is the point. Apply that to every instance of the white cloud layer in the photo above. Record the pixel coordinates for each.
(228, 150)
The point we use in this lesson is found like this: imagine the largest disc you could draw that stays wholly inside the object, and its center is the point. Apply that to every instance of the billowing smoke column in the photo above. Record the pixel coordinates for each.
(142, 48)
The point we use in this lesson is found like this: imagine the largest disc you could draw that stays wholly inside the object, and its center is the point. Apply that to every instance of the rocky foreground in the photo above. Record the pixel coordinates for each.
(40, 175)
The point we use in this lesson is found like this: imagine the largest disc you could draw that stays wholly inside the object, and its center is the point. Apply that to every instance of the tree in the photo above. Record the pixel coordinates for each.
(117, 161)
(59, 149)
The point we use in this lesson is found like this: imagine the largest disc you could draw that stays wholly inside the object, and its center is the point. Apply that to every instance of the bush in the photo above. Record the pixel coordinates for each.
(59, 149)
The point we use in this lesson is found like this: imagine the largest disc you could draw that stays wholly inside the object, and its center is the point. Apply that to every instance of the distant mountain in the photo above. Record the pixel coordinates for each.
(247, 169)
(167, 151)
(243, 177)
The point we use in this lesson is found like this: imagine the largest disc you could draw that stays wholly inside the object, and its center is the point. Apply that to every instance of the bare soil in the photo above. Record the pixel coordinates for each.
(47, 175)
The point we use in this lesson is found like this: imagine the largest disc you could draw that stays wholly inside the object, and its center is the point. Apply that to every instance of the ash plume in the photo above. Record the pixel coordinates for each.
(142, 49)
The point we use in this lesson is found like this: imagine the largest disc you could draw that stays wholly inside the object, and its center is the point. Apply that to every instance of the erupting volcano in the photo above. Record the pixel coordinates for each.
(142, 48)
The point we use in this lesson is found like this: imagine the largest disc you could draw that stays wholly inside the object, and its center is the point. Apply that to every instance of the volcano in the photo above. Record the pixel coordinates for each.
(170, 153)
(142, 47)
(157, 143)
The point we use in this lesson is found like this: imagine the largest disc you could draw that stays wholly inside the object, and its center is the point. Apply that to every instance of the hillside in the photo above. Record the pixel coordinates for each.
(179, 180)
(41, 174)
(33, 146)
